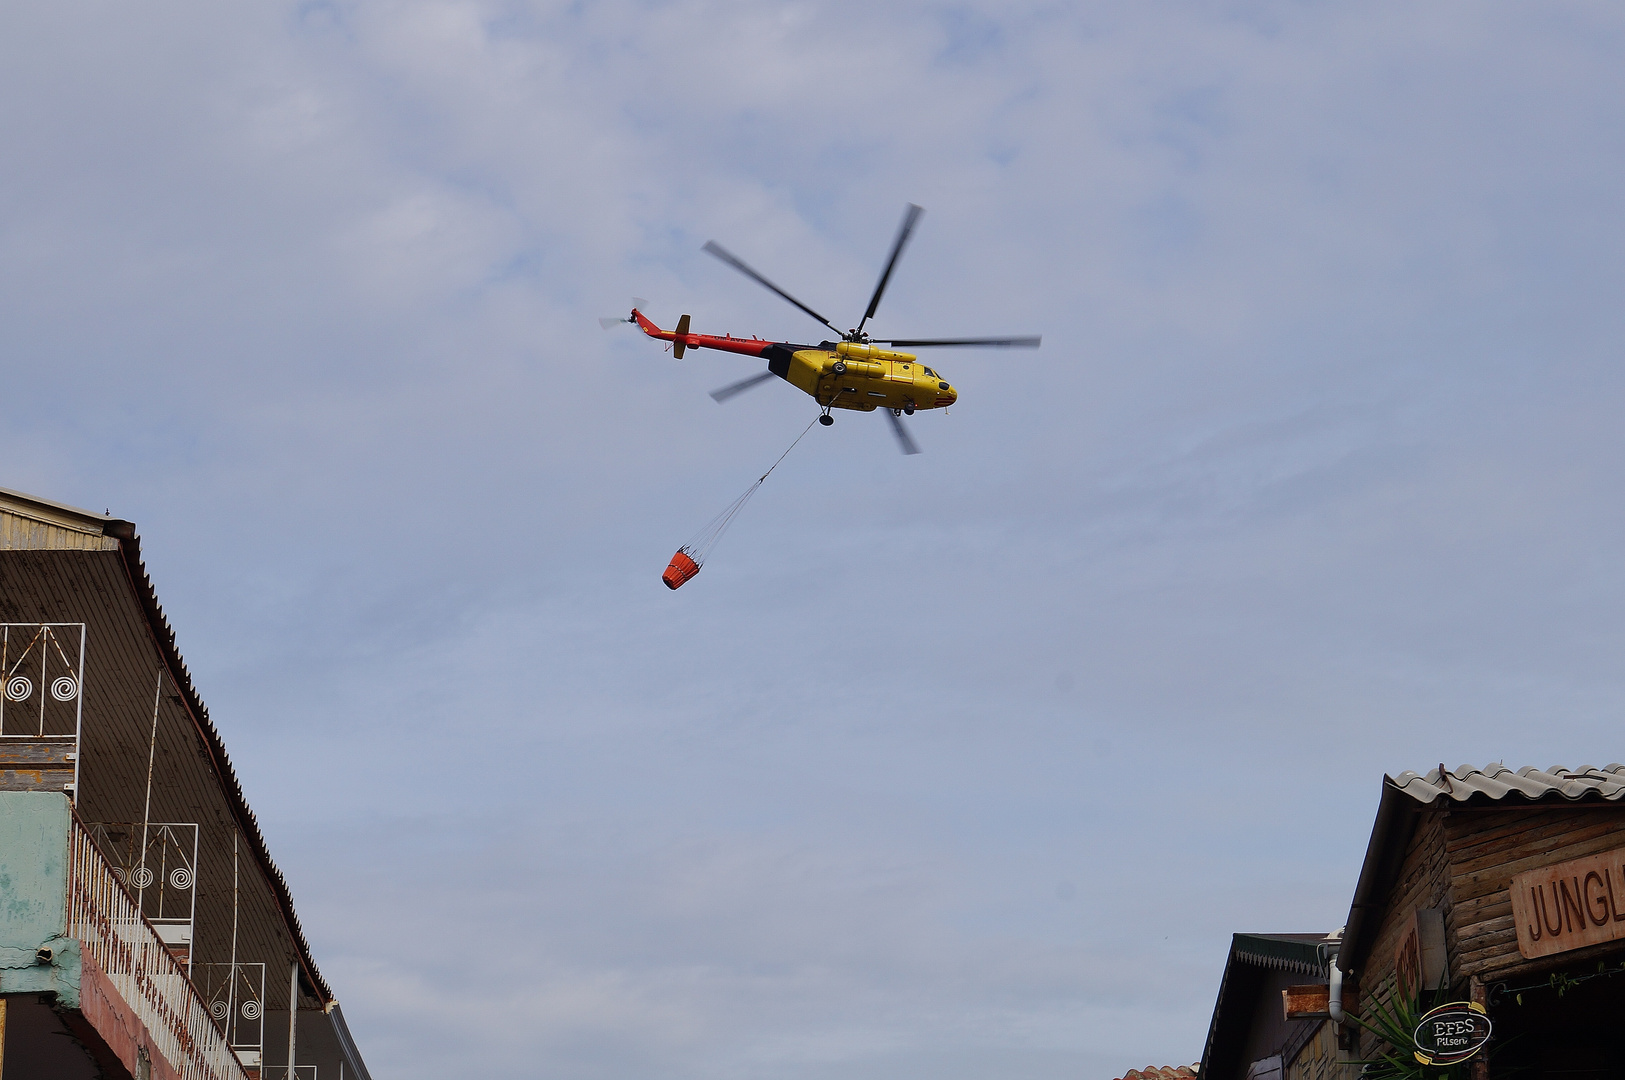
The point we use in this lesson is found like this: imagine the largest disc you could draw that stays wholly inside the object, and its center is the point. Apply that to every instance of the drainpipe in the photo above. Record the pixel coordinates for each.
(1329, 951)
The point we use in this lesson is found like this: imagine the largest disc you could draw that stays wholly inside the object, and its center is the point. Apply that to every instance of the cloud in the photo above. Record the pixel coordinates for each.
(1312, 479)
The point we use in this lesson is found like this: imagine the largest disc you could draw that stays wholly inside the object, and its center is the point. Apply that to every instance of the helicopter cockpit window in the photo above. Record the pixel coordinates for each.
(931, 373)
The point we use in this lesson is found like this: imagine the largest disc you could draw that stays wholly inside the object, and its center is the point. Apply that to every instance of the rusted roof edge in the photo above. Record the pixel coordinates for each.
(163, 636)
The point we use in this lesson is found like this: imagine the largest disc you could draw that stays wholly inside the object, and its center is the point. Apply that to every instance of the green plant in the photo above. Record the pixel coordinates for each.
(1393, 1023)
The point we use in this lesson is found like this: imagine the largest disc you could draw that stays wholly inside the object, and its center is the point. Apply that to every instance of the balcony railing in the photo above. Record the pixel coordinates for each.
(110, 927)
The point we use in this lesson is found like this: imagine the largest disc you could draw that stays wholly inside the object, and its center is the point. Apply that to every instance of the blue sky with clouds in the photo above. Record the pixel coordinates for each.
(955, 765)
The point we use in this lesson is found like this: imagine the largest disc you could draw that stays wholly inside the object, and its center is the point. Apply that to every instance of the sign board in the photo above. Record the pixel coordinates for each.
(1451, 1033)
(1306, 1002)
(1570, 905)
(1419, 959)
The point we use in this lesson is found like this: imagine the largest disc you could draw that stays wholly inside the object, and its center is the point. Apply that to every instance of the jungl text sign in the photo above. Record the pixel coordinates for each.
(1570, 904)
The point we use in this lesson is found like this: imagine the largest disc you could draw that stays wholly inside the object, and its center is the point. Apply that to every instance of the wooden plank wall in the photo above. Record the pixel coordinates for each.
(1461, 861)
(1423, 882)
(28, 532)
(36, 764)
(1487, 848)
(1319, 1059)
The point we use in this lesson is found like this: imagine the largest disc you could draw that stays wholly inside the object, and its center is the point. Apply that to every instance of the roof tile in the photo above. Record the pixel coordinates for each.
(1496, 782)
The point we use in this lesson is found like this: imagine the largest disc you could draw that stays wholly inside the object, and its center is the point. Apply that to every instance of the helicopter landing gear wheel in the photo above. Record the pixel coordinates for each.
(826, 419)
(908, 410)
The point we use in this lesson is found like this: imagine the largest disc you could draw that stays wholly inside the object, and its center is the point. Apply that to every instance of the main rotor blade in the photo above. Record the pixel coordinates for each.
(910, 216)
(904, 439)
(726, 392)
(737, 263)
(989, 342)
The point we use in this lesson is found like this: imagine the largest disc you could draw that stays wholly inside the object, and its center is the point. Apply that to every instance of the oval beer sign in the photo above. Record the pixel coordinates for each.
(1451, 1033)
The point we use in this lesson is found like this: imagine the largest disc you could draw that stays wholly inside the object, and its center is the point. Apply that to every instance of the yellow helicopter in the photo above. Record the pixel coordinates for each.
(852, 373)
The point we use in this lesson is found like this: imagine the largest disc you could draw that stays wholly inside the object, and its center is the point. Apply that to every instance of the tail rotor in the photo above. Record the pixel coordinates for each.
(638, 304)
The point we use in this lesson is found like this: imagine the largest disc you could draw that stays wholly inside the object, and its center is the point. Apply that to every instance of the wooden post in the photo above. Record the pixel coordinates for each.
(2, 1038)
(1481, 1064)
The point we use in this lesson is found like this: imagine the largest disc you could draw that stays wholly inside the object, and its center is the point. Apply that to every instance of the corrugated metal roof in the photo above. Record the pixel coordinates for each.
(88, 572)
(49, 574)
(164, 637)
(1496, 783)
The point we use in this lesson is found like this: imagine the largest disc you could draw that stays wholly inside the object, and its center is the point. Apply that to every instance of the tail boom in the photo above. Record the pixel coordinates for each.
(726, 343)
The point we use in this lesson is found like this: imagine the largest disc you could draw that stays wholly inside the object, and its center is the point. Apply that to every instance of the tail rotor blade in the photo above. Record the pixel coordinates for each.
(724, 393)
(910, 217)
(714, 248)
(638, 304)
(904, 439)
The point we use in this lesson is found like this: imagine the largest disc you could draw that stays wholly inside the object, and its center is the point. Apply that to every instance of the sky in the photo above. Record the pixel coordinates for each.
(957, 765)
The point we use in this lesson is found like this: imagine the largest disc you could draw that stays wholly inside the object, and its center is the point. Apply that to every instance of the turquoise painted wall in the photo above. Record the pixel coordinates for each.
(34, 829)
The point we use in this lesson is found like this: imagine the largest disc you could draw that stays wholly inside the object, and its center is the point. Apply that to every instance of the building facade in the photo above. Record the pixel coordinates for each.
(145, 931)
(1502, 890)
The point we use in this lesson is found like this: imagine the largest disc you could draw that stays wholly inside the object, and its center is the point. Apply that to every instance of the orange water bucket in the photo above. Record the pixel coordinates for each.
(681, 568)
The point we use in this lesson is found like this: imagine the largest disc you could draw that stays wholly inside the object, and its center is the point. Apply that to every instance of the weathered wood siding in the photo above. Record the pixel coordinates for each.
(1319, 1059)
(1461, 861)
(1487, 848)
(1423, 882)
(39, 764)
(32, 531)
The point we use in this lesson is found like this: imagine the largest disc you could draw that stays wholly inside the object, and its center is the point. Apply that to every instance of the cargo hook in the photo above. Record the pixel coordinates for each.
(825, 418)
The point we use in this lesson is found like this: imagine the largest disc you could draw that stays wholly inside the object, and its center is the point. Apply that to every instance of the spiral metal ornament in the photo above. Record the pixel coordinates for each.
(180, 878)
(251, 1009)
(218, 1010)
(119, 875)
(141, 877)
(65, 688)
(19, 688)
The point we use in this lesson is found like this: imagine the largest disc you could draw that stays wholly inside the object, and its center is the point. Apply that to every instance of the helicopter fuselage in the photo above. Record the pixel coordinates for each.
(836, 374)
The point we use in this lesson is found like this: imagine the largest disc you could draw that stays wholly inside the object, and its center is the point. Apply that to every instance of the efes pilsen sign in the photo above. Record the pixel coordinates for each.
(1451, 1033)
(1570, 904)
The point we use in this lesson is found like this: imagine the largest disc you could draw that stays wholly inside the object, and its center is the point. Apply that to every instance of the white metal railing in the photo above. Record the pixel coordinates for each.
(110, 928)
